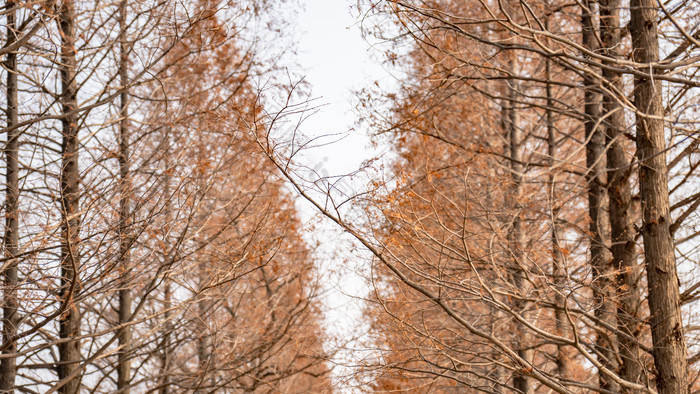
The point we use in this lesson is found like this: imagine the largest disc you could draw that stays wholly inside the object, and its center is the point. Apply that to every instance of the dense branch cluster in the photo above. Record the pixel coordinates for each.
(149, 247)
(530, 220)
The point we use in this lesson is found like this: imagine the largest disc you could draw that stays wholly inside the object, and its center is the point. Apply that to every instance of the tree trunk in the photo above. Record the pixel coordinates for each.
(521, 382)
(165, 355)
(204, 343)
(69, 322)
(496, 372)
(124, 361)
(603, 290)
(620, 198)
(664, 300)
(8, 366)
(164, 373)
(563, 359)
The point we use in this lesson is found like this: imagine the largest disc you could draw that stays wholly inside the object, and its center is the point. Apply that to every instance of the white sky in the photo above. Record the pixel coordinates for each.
(336, 61)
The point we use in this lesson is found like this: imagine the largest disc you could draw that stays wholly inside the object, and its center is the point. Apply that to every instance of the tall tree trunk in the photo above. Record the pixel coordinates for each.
(496, 372)
(664, 300)
(8, 366)
(521, 382)
(204, 343)
(514, 151)
(124, 361)
(620, 198)
(498, 375)
(69, 322)
(165, 354)
(603, 289)
(563, 359)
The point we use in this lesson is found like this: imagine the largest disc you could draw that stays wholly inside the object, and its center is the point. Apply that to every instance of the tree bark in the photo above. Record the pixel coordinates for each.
(603, 290)
(521, 382)
(69, 322)
(514, 151)
(620, 197)
(11, 321)
(669, 348)
(124, 361)
(204, 343)
(563, 359)
(165, 354)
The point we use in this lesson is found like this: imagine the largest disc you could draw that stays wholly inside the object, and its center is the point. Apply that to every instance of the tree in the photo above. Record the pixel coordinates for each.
(125, 237)
(69, 321)
(664, 294)
(619, 170)
(11, 317)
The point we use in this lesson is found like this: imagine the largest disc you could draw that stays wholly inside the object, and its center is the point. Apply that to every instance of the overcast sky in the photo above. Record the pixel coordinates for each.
(337, 61)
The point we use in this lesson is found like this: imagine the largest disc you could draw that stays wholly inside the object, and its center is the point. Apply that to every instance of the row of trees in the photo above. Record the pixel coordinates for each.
(547, 161)
(539, 230)
(148, 245)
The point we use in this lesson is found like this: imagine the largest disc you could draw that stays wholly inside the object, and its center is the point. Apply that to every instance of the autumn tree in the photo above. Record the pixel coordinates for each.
(11, 316)
(134, 194)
